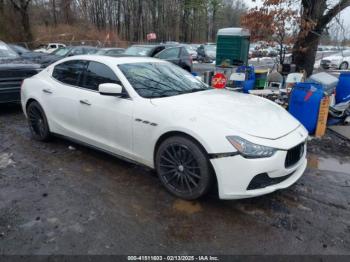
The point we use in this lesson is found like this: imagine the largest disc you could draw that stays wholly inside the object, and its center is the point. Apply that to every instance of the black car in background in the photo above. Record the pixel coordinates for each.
(110, 51)
(176, 54)
(26, 53)
(13, 70)
(66, 52)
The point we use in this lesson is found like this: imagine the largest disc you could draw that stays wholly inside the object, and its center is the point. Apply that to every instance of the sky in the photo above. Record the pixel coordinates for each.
(345, 15)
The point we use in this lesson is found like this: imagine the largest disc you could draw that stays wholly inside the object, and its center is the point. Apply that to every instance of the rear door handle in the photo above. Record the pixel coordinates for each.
(47, 91)
(85, 102)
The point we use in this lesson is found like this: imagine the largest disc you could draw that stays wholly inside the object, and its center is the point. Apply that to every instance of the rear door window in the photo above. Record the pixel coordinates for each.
(97, 74)
(170, 53)
(69, 72)
(184, 52)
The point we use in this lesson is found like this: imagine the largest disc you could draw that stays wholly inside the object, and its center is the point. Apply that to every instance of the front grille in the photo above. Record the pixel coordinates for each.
(263, 181)
(294, 155)
(12, 79)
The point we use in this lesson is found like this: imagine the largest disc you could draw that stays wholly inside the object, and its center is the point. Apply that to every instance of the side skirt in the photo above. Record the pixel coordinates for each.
(101, 150)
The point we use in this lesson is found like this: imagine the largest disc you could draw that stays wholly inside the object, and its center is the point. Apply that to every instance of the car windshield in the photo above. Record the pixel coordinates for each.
(18, 48)
(138, 50)
(6, 52)
(61, 51)
(156, 79)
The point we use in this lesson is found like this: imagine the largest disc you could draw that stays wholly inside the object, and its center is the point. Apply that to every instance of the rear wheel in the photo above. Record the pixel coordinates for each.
(37, 121)
(183, 168)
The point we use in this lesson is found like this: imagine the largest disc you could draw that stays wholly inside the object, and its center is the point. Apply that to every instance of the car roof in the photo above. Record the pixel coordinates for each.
(79, 46)
(112, 48)
(114, 60)
(157, 45)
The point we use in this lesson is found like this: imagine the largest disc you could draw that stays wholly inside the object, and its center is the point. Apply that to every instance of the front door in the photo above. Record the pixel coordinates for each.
(106, 121)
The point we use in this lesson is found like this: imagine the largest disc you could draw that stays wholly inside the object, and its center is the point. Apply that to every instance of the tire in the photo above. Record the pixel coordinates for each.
(37, 122)
(183, 168)
(344, 66)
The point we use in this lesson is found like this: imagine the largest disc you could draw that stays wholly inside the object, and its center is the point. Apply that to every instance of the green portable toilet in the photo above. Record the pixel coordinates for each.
(232, 47)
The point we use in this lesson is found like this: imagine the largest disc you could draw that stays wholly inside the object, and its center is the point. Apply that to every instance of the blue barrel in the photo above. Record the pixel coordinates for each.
(249, 83)
(343, 88)
(305, 103)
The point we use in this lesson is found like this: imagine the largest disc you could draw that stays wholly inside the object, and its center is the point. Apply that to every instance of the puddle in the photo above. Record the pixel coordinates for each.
(328, 164)
(187, 207)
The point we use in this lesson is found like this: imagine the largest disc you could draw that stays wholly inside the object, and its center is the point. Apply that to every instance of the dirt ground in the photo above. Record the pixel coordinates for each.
(61, 198)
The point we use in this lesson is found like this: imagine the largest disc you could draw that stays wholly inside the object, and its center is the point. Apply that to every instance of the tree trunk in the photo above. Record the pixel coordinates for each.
(304, 53)
(305, 48)
(26, 26)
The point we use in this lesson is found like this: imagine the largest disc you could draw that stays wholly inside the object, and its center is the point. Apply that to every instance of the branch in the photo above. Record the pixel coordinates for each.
(333, 12)
(15, 5)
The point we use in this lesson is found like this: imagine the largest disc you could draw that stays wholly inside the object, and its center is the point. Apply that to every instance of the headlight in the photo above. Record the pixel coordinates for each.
(250, 150)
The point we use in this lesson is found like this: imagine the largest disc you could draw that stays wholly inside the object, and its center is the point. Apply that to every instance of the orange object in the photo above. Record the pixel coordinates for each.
(323, 117)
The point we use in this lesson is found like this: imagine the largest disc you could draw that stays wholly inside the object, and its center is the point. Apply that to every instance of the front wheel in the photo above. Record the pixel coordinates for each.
(37, 121)
(183, 168)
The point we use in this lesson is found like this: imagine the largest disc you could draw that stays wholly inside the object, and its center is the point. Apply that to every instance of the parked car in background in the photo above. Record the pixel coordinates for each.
(66, 52)
(176, 54)
(337, 61)
(26, 53)
(145, 50)
(110, 51)
(192, 51)
(49, 48)
(206, 53)
(13, 69)
(154, 113)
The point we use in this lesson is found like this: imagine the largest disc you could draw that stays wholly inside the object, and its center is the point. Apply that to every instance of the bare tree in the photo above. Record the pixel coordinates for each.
(22, 7)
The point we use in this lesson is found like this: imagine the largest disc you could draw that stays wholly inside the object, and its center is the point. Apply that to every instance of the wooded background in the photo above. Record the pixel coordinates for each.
(128, 20)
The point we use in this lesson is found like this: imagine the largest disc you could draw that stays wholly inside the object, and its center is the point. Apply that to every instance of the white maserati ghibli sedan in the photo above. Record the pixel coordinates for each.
(154, 113)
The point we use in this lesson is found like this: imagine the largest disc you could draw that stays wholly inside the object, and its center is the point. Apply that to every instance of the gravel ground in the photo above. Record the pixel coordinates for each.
(62, 198)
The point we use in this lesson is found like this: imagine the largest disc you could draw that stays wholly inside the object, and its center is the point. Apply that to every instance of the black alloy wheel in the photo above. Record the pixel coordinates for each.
(183, 168)
(37, 122)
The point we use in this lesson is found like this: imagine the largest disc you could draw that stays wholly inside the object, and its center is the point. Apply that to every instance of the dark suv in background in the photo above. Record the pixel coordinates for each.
(13, 70)
(176, 54)
(66, 52)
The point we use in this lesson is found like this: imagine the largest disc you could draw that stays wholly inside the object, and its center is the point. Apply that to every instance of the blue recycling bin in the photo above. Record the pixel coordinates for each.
(304, 104)
(249, 83)
(343, 88)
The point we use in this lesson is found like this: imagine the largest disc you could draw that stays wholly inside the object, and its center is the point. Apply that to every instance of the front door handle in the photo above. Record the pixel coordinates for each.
(85, 102)
(47, 91)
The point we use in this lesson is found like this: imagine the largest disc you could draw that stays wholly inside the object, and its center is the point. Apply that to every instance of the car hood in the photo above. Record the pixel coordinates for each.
(17, 64)
(333, 57)
(248, 114)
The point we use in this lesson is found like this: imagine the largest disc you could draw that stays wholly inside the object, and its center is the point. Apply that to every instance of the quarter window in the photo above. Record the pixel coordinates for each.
(69, 72)
(97, 74)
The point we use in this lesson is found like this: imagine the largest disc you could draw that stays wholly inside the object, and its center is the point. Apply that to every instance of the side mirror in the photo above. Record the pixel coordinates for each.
(110, 89)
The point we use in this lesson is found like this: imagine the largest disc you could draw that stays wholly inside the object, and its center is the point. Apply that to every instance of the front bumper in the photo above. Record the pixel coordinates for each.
(236, 174)
(9, 95)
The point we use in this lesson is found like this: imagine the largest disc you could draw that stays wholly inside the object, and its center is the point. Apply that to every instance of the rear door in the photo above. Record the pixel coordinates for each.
(62, 98)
